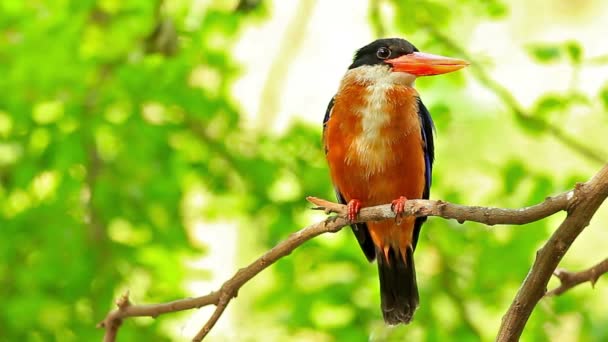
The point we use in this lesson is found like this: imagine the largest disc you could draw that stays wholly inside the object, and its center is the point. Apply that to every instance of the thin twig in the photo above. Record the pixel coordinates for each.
(112, 321)
(588, 197)
(569, 280)
(376, 19)
(219, 310)
(507, 98)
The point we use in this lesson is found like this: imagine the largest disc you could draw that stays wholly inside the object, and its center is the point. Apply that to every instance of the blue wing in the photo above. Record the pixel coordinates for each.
(359, 229)
(427, 128)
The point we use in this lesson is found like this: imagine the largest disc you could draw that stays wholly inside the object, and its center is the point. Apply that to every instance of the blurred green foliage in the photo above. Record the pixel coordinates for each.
(112, 112)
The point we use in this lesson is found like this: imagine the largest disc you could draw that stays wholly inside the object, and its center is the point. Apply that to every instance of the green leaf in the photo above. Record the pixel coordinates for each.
(543, 185)
(604, 97)
(549, 103)
(545, 53)
(531, 124)
(442, 115)
(575, 52)
(513, 174)
(497, 9)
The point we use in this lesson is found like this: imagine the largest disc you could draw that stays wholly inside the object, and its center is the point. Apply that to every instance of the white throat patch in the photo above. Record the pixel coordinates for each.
(375, 74)
(371, 148)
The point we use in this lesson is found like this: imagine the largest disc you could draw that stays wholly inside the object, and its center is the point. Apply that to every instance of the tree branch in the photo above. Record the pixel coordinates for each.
(125, 309)
(486, 215)
(276, 77)
(569, 280)
(588, 197)
(229, 289)
(507, 98)
(222, 297)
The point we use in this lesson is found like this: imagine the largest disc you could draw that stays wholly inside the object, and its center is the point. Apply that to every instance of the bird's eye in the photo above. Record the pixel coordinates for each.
(383, 53)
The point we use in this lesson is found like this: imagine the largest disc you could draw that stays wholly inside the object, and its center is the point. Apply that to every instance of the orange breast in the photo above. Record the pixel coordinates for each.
(375, 152)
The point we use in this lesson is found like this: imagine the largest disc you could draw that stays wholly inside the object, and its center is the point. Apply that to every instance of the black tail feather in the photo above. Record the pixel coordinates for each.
(398, 289)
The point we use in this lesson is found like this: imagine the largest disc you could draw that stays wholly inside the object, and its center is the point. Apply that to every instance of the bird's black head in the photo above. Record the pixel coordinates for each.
(400, 56)
(380, 50)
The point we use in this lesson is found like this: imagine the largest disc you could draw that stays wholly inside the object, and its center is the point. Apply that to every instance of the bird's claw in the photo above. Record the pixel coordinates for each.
(398, 207)
(353, 207)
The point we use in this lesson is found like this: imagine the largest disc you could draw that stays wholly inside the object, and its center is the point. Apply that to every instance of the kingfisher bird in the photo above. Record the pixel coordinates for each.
(378, 140)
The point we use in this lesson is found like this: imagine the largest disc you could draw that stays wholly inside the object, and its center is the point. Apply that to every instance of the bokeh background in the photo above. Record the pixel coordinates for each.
(158, 146)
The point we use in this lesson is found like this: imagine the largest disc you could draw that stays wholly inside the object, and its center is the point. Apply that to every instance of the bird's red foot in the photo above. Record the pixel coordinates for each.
(398, 207)
(353, 207)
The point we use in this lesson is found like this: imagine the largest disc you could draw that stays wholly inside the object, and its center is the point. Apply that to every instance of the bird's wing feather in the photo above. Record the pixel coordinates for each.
(427, 128)
(359, 229)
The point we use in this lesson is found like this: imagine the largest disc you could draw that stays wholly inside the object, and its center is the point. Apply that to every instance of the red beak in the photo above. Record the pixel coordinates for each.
(425, 64)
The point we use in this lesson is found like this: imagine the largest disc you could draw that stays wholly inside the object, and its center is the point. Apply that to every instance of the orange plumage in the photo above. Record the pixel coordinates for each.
(379, 158)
